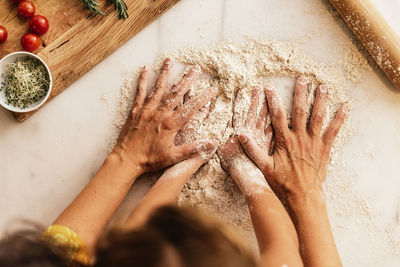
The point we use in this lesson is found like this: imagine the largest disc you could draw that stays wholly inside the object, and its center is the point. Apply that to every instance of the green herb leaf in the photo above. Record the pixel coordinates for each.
(120, 7)
(91, 5)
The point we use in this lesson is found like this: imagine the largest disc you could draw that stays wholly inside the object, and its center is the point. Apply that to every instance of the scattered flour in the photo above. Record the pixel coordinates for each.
(233, 67)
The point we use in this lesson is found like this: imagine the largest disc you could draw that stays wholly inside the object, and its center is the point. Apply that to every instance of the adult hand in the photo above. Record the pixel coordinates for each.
(299, 163)
(168, 187)
(147, 138)
(187, 134)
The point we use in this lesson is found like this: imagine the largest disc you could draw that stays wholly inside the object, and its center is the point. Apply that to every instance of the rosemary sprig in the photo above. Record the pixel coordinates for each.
(91, 5)
(120, 7)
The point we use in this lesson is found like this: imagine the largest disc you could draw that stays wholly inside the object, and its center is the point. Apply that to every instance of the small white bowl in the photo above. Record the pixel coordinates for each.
(3, 69)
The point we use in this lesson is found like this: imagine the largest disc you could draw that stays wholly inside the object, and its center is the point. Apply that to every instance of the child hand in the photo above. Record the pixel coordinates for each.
(299, 163)
(233, 158)
(147, 138)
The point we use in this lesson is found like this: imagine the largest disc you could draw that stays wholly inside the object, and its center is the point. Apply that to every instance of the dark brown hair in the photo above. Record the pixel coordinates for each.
(24, 248)
(177, 233)
(172, 236)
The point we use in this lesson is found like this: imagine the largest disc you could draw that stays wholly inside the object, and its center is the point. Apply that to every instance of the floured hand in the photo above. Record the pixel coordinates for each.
(147, 138)
(233, 158)
(168, 187)
(244, 172)
(187, 134)
(298, 165)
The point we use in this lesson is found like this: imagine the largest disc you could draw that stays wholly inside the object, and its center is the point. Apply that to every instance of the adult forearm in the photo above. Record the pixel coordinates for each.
(309, 214)
(90, 212)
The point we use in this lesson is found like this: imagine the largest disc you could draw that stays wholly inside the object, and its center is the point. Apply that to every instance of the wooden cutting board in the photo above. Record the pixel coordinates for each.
(75, 43)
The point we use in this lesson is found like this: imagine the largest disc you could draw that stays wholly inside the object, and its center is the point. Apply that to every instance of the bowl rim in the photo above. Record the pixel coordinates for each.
(44, 99)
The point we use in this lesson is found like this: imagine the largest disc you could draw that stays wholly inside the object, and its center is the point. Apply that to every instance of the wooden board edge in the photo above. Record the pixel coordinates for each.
(164, 6)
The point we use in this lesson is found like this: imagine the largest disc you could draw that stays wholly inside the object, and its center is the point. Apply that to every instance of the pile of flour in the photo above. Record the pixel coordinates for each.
(239, 66)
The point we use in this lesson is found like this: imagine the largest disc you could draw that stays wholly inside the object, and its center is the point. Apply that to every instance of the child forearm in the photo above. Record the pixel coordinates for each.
(90, 212)
(275, 232)
(165, 191)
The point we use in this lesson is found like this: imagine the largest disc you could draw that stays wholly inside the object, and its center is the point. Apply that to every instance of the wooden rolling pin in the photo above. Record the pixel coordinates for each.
(374, 32)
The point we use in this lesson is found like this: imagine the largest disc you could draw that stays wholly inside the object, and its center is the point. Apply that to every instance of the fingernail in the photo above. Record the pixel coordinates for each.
(302, 81)
(243, 138)
(256, 90)
(345, 109)
(168, 62)
(196, 68)
(269, 87)
(323, 88)
(215, 142)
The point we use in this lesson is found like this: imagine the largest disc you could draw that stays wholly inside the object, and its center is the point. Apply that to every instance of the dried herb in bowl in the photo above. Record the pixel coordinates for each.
(26, 81)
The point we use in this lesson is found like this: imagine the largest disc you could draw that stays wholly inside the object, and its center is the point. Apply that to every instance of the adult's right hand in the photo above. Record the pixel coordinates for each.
(147, 138)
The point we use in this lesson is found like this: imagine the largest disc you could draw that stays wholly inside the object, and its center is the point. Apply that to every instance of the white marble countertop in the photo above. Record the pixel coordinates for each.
(46, 160)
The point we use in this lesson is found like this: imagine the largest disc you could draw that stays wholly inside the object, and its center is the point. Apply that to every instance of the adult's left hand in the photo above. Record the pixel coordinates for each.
(147, 138)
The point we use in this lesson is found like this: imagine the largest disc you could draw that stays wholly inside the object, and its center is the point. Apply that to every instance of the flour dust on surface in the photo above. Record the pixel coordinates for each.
(234, 67)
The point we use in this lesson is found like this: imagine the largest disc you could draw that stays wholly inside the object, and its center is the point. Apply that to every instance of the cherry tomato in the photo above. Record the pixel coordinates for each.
(17, 1)
(3, 34)
(30, 42)
(26, 9)
(39, 24)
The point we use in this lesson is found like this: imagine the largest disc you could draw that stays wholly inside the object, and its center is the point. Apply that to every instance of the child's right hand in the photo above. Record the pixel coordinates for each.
(147, 138)
(243, 171)
(233, 158)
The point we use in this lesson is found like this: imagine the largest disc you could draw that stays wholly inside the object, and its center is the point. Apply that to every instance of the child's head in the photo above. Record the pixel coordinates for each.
(172, 237)
(24, 248)
(175, 237)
